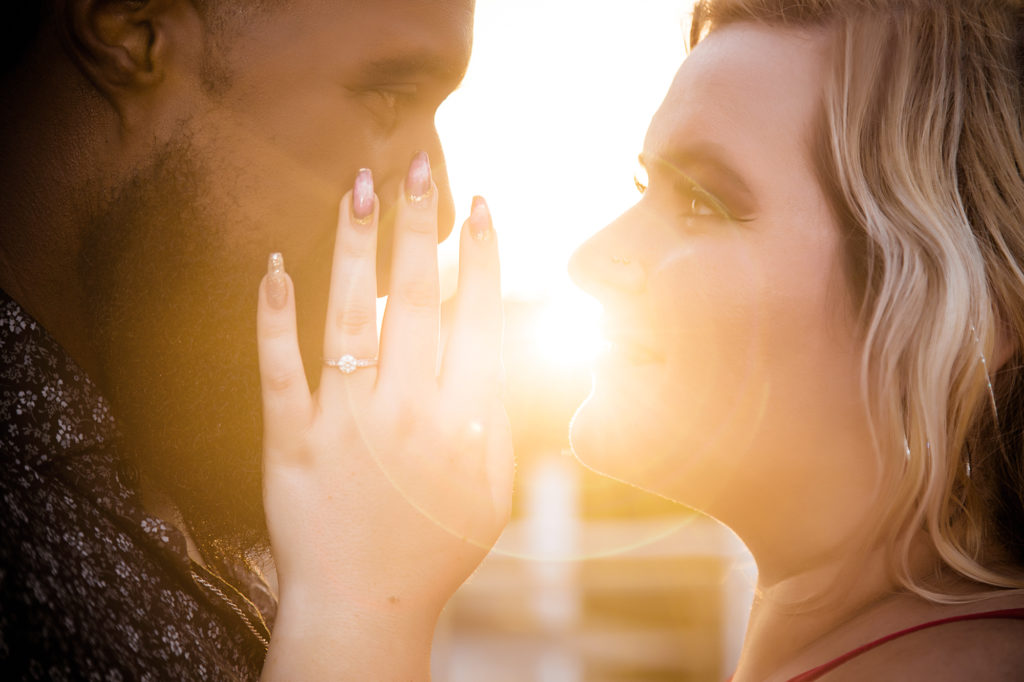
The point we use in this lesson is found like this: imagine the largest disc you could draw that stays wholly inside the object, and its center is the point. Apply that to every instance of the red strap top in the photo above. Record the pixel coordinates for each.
(815, 673)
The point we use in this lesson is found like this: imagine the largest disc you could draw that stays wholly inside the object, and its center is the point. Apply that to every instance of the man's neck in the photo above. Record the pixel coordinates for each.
(160, 505)
(61, 153)
(55, 302)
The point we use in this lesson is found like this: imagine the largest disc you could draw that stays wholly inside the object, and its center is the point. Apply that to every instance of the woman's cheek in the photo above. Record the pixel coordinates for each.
(680, 427)
(694, 420)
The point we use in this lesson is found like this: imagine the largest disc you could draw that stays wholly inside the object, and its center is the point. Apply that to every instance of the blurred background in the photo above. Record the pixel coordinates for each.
(593, 580)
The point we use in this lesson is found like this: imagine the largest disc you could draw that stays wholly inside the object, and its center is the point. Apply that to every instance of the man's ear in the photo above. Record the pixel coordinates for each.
(121, 44)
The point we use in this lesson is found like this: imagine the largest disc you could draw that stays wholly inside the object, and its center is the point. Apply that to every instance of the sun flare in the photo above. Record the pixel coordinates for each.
(567, 330)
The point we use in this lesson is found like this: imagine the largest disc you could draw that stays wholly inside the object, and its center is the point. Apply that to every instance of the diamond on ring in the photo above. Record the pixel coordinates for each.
(347, 364)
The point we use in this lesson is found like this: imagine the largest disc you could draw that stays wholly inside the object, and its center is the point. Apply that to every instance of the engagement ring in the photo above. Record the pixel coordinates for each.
(347, 364)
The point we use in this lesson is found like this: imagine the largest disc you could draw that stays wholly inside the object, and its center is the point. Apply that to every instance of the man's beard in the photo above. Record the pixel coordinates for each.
(172, 306)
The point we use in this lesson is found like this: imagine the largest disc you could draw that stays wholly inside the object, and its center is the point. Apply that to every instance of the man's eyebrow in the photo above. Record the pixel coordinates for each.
(415, 65)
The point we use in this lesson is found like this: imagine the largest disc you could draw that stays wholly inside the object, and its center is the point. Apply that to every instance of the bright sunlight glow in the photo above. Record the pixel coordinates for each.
(547, 126)
(567, 330)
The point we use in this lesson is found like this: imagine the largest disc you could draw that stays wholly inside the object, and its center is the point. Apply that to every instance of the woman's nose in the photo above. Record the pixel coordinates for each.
(608, 264)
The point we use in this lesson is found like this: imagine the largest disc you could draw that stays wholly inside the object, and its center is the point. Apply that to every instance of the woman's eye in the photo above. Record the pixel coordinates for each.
(699, 207)
(686, 195)
(702, 204)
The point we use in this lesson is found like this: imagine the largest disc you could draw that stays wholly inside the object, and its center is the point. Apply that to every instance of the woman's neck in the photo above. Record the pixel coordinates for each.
(795, 618)
(812, 616)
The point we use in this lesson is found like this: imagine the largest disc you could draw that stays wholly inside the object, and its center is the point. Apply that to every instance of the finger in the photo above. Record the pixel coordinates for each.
(287, 406)
(472, 360)
(351, 328)
(409, 337)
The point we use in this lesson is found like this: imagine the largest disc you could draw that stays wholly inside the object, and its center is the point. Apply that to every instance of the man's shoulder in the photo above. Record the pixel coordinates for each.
(66, 562)
(83, 591)
(91, 585)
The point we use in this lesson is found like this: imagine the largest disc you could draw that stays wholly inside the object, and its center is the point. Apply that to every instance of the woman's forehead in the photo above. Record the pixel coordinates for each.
(744, 87)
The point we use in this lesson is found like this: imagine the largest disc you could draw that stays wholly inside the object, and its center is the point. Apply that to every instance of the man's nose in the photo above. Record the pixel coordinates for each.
(445, 202)
(415, 142)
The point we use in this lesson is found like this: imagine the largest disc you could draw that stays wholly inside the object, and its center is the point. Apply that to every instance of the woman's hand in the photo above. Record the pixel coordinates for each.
(385, 488)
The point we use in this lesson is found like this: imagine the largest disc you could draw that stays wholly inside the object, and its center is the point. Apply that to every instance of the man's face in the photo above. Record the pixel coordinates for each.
(288, 104)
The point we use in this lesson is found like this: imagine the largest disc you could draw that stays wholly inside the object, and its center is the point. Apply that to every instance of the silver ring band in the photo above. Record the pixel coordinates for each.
(347, 364)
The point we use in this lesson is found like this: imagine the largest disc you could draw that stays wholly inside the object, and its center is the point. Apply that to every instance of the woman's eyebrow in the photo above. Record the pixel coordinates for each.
(706, 162)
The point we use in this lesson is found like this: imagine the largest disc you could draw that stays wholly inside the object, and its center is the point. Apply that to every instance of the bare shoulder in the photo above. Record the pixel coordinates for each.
(988, 650)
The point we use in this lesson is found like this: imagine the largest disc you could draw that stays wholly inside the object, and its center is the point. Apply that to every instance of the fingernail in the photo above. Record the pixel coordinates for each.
(417, 182)
(277, 286)
(480, 220)
(362, 196)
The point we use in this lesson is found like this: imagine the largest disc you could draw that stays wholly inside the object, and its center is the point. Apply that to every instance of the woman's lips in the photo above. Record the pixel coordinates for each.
(631, 341)
(633, 351)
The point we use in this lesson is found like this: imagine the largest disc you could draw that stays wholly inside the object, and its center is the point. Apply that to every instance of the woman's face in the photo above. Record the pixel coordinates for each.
(734, 364)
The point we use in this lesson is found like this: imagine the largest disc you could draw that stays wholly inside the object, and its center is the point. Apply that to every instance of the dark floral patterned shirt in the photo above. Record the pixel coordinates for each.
(91, 586)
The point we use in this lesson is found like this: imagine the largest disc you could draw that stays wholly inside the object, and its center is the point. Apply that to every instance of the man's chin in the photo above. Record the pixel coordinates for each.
(187, 402)
(172, 319)
(185, 391)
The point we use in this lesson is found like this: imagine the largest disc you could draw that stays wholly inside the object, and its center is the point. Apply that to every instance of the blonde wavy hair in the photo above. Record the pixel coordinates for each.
(920, 149)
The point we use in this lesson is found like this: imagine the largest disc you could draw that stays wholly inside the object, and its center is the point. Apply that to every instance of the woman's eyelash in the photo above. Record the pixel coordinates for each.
(640, 186)
(640, 176)
(696, 195)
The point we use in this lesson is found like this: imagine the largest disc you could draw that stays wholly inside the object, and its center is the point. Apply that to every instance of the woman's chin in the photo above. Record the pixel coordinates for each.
(605, 442)
(584, 439)
(668, 457)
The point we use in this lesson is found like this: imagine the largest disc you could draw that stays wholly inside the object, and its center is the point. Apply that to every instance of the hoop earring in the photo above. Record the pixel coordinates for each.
(991, 395)
(988, 377)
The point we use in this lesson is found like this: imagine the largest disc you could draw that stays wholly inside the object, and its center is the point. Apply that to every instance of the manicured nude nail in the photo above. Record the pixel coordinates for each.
(362, 197)
(480, 220)
(277, 286)
(417, 182)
